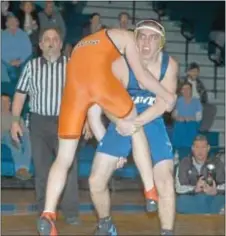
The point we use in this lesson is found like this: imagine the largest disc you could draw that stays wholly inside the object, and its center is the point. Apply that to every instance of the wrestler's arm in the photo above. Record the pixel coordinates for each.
(95, 122)
(142, 75)
(120, 71)
(170, 82)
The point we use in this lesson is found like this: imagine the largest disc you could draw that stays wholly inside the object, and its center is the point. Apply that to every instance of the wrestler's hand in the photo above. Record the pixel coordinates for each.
(121, 162)
(87, 132)
(126, 127)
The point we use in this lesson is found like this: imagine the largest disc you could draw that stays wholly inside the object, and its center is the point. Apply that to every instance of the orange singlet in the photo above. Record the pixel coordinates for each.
(90, 80)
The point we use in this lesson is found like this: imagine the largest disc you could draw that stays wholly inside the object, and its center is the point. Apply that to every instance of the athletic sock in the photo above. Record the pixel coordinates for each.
(151, 194)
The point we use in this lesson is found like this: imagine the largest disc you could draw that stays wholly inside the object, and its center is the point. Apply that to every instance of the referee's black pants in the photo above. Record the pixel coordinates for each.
(44, 142)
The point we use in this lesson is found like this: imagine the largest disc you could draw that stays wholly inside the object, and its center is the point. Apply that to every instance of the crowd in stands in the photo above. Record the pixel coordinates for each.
(193, 111)
(200, 179)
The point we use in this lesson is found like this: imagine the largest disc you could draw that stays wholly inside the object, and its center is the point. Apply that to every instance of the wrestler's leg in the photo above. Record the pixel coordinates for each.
(73, 112)
(142, 159)
(55, 185)
(163, 175)
(102, 169)
(58, 172)
(117, 101)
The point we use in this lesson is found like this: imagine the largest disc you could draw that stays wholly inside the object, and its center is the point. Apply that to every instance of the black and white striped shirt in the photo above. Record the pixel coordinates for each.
(43, 81)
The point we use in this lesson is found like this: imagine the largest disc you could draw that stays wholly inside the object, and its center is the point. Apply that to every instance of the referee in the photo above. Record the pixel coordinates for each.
(43, 80)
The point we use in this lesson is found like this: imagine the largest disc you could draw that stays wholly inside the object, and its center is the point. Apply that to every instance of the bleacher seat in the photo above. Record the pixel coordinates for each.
(202, 15)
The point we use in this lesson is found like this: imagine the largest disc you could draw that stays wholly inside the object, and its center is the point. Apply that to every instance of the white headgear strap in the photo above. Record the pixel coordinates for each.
(150, 28)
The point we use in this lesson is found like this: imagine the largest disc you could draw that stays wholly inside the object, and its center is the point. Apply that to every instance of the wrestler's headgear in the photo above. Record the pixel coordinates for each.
(154, 26)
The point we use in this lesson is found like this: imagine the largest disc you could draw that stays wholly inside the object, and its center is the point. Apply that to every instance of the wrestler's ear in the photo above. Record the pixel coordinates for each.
(61, 45)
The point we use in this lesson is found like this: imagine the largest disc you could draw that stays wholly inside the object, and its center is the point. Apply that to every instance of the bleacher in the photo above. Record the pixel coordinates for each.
(176, 44)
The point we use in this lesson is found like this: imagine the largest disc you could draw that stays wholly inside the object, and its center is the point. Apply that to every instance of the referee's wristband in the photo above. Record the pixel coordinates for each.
(16, 119)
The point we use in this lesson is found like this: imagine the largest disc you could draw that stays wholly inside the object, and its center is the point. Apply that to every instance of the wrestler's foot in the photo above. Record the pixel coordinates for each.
(151, 200)
(151, 205)
(46, 224)
(106, 227)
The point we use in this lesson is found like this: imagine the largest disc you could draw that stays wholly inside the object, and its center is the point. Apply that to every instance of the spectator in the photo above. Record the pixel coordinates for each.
(16, 47)
(50, 18)
(21, 153)
(73, 17)
(200, 191)
(199, 91)
(187, 115)
(43, 80)
(29, 22)
(217, 33)
(6, 86)
(94, 25)
(4, 74)
(41, 5)
(124, 21)
(5, 11)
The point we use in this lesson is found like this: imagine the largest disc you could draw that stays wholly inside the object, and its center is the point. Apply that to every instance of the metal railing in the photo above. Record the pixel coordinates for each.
(159, 8)
(213, 47)
(187, 30)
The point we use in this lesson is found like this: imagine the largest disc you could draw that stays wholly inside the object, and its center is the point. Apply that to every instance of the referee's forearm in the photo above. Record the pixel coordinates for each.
(18, 103)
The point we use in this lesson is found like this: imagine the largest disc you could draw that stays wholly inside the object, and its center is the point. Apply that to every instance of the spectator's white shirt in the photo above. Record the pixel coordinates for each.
(195, 93)
(28, 24)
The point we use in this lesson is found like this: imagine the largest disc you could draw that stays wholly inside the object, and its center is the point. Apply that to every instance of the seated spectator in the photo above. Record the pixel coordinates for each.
(29, 22)
(124, 21)
(94, 25)
(4, 74)
(21, 154)
(50, 18)
(5, 11)
(200, 188)
(16, 47)
(187, 116)
(199, 91)
(217, 33)
(6, 86)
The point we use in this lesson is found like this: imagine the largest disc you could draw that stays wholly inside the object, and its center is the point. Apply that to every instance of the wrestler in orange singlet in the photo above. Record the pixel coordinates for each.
(90, 80)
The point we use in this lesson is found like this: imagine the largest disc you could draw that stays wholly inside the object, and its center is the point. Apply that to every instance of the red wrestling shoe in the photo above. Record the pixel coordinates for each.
(151, 197)
(46, 224)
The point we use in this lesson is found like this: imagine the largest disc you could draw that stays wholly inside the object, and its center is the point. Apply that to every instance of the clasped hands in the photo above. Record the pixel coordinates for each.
(127, 127)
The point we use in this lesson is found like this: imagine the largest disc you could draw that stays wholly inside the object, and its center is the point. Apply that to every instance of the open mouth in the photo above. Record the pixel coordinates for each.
(146, 50)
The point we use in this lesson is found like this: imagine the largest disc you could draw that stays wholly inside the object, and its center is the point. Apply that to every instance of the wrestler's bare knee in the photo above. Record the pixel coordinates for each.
(95, 184)
(102, 169)
(163, 175)
(66, 152)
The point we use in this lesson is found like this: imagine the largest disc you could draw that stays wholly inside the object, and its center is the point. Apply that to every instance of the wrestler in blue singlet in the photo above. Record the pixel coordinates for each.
(120, 146)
